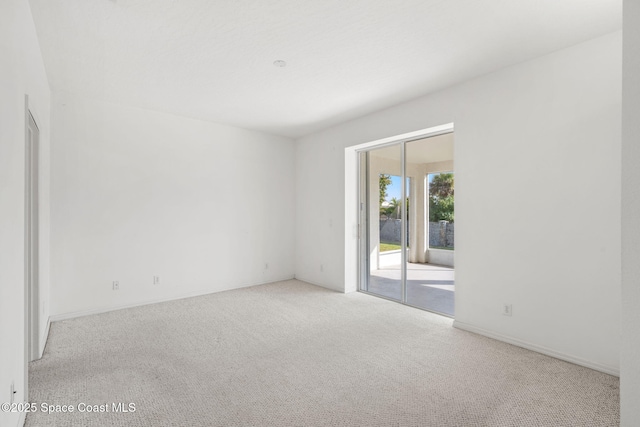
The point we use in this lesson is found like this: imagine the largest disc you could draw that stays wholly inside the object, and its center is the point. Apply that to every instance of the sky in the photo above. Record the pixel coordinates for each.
(395, 189)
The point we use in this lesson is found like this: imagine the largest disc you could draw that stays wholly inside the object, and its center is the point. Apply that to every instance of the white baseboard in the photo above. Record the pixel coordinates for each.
(311, 282)
(73, 315)
(611, 370)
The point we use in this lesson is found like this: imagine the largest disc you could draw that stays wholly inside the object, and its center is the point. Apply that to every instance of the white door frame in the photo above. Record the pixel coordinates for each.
(352, 259)
(32, 291)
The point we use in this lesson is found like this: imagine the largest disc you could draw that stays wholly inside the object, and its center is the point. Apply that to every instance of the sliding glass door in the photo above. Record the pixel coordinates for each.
(397, 260)
(382, 211)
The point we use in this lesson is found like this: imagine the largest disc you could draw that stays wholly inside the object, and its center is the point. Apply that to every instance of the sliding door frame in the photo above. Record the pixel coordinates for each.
(362, 156)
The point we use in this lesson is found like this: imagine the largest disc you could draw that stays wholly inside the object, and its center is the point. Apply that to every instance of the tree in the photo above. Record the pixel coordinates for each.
(441, 198)
(385, 181)
(393, 208)
(441, 186)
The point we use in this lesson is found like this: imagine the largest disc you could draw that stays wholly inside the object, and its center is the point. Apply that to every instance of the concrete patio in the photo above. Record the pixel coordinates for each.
(429, 286)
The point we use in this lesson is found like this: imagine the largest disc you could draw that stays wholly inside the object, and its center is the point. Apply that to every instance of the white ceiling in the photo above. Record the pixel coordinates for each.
(213, 59)
(430, 150)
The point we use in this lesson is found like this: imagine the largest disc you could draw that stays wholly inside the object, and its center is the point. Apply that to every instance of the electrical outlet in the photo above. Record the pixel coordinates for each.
(116, 285)
(156, 280)
(507, 310)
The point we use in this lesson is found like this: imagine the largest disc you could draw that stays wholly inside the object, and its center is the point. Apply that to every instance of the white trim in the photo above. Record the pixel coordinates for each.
(74, 314)
(45, 337)
(352, 219)
(33, 234)
(410, 136)
(22, 419)
(611, 370)
(352, 199)
(26, 255)
(311, 282)
(403, 222)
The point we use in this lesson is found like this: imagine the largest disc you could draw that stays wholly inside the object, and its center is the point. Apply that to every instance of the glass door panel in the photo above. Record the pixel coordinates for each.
(407, 223)
(382, 211)
(429, 261)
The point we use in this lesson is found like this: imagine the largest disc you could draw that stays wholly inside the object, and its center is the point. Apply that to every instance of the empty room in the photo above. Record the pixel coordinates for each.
(319, 213)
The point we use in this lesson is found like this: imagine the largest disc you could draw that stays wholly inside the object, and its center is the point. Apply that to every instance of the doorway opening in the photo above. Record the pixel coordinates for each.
(32, 238)
(407, 222)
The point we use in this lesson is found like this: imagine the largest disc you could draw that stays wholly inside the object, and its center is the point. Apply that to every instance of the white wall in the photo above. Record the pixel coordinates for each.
(138, 193)
(538, 146)
(630, 352)
(21, 72)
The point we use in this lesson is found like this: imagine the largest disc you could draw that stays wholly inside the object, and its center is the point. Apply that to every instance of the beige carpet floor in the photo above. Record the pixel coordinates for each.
(293, 354)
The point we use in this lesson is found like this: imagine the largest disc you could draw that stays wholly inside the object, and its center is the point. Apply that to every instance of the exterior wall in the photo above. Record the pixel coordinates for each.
(390, 231)
(442, 257)
(516, 131)
(438, 230)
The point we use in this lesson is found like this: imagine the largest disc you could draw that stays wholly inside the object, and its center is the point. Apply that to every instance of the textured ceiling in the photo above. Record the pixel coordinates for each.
(213, 59)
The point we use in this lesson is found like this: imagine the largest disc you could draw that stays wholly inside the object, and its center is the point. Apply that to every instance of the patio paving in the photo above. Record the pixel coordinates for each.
(430, 287)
